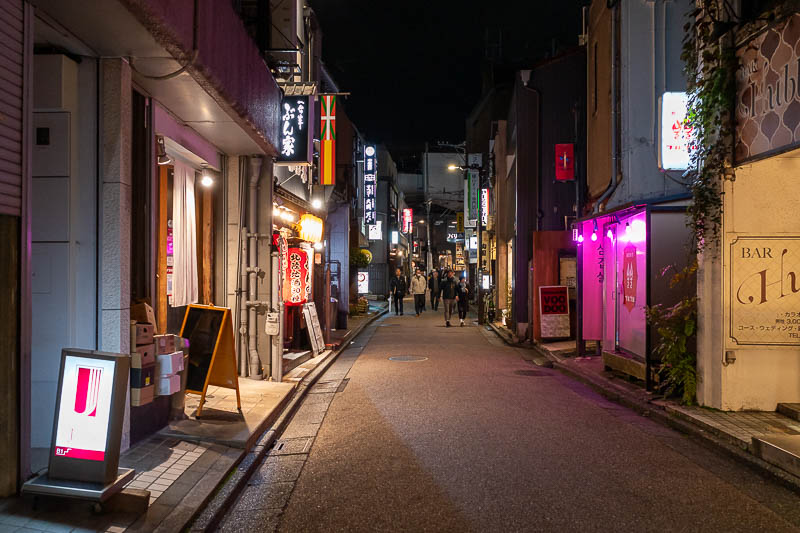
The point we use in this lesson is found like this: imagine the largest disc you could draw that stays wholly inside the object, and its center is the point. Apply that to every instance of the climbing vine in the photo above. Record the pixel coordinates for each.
(710, 66)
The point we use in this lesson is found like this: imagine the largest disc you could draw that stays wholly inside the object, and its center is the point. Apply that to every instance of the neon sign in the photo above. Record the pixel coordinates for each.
(370, 184)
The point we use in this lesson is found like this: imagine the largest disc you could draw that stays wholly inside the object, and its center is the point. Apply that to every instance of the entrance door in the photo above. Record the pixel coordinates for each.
(631, 284)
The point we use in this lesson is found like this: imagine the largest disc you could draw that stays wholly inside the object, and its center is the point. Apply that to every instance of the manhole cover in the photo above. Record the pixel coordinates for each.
(533, 373)
(407, 358)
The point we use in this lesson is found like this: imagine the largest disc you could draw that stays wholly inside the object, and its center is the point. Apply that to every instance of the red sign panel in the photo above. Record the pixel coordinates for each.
(554, 300)
(298, 278)
(565, 162)
(630, 277)
(408, 220)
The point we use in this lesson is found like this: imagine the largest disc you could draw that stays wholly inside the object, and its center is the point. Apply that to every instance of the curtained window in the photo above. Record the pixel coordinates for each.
(184, 237)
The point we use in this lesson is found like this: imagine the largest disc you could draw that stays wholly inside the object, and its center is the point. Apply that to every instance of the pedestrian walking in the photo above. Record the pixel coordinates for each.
(398, 287)
(418, 287)
(449, 295)
(434, 286)
(463, 292)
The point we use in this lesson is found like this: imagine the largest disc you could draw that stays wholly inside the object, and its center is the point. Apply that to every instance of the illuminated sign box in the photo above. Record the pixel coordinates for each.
(375, 231)
(294, 137)
(675, 135)
(363, 282)
(90, 407)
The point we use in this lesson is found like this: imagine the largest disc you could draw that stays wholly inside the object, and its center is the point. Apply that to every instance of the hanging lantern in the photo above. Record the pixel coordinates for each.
(310, 228)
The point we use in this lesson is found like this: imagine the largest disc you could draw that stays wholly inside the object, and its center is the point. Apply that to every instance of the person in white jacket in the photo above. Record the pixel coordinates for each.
(418, 287)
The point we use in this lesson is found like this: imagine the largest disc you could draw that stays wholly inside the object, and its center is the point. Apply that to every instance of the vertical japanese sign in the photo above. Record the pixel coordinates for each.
(676, 135)
(408, 220)
(565, 163)
(370, 184)
(472, 190)
(327, 153)
(294, 136)
(630, 277)
(298, 277)
(484, 207)
(460, 222)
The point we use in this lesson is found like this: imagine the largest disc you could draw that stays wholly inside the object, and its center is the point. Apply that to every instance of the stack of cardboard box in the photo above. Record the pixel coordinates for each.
(169, 364)
(143, 359)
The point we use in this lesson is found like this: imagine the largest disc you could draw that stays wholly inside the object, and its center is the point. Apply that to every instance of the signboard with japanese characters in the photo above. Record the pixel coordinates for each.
(298, 277)
(675, 135)
(294, 136)
(764, 287)
(370, 184)
(408, 220)
(484, 207)
(554, 311)
(472, 190)
(375, 231)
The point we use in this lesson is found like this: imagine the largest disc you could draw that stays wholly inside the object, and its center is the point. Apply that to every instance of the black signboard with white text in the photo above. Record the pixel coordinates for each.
(295, 136)
(370, 184)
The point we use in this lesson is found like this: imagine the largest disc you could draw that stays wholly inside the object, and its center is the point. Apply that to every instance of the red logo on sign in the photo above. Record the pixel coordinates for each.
(88, 390)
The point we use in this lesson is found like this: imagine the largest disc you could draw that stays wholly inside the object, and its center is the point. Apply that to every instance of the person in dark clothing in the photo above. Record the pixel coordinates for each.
(398, 287)
(463, 291)
(436, 290)
(449, 289)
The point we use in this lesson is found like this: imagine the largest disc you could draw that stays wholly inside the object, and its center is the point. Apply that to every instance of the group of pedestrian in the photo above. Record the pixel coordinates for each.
(442, 286)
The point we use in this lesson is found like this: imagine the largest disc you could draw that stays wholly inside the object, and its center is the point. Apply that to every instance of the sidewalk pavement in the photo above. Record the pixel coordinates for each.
(180, 474)
(736, 432)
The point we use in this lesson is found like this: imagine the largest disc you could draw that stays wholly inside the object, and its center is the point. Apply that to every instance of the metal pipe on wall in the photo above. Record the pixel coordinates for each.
(615, 174)
(241, 274)
(254, 362)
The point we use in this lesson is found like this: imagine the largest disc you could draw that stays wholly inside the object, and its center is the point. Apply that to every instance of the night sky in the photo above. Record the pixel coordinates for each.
(414, 67)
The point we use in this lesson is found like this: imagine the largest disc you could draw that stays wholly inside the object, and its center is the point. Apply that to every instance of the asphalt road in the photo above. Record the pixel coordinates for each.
(464, 441)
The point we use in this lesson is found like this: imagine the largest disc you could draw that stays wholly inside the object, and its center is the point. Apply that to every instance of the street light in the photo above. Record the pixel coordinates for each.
(316, 203)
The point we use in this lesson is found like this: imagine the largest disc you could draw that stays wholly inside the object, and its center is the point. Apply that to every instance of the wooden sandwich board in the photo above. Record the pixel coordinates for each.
(212, 352)
(313, 328)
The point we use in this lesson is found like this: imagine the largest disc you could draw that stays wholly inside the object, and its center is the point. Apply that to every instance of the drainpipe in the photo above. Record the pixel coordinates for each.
(615, 174)
(252, 269)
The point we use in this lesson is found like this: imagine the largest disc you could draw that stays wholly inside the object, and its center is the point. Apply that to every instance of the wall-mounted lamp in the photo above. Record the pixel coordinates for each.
(161, 151)
(316, 203)
(206, 180)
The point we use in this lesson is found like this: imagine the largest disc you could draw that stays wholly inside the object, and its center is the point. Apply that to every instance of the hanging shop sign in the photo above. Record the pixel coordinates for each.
(310, 227)
(675, 135)
(460, 222)
(454, 236)
(768, 92)
(370, 184)
(484, 207)
(298, 277)
(554, 311)
(630, 277)
(294, 137)
(375, 231)
(363, 282)
(565, 162)
(327, 151)
(408, 220)
(90, 408)
(765, 290)
(395, 237)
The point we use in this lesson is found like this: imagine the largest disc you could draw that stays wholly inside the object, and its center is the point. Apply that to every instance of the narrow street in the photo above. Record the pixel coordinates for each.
(475, 438)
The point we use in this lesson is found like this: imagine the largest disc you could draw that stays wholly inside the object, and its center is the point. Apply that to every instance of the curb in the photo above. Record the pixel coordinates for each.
(210, 513)
(674, 419)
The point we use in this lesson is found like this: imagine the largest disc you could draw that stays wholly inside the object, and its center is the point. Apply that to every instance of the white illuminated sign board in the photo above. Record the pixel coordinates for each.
(85, 408)
(484, 207)
(395, 237)
(294, 136)
(370, 184)
(676, 137)
(363, 282)
(375, 232)
(473, 242)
